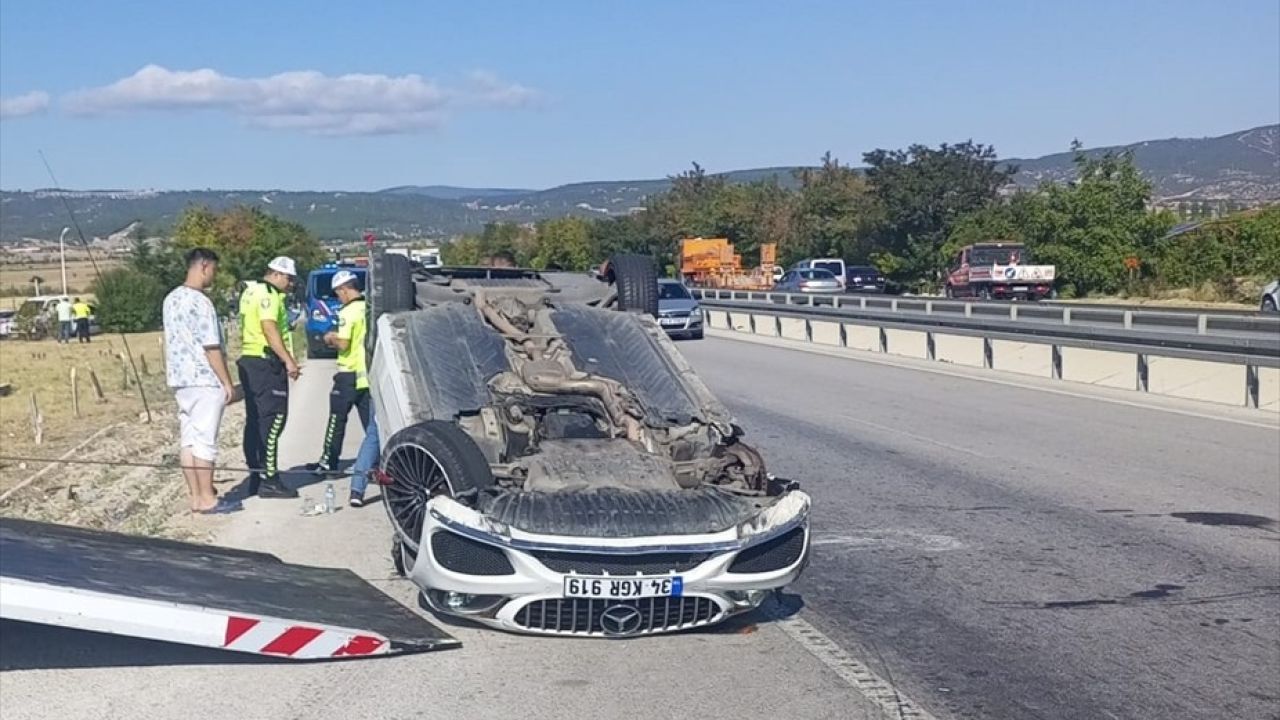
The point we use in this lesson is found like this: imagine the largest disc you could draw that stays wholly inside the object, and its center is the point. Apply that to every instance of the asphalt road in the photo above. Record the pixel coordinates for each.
(1001, 552)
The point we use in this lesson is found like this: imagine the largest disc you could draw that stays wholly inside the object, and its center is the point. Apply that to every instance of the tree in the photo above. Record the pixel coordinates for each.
(129, 300)
(835, 214)
(922, 193)
(565, 243)
(245, 238)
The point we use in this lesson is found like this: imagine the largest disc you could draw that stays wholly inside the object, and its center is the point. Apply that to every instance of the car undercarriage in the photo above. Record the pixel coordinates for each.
(552, 464)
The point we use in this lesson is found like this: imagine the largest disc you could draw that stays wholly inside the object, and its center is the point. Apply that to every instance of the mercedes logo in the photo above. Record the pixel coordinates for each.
(617, 620)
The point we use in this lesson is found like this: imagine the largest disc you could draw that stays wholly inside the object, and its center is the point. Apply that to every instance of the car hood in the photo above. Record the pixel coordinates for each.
(677, 305)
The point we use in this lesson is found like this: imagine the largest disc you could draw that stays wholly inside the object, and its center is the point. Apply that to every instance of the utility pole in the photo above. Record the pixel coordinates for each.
(62, 252)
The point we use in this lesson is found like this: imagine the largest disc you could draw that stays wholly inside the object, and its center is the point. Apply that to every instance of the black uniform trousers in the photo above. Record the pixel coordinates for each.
(266, 405)
(342, 398)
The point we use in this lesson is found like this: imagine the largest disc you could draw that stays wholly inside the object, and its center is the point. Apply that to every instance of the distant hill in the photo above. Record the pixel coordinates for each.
(1241, 167)
(450, 192)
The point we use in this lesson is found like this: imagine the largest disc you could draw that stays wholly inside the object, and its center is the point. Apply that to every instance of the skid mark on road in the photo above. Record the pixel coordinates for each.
(880, 693)
(895, 539)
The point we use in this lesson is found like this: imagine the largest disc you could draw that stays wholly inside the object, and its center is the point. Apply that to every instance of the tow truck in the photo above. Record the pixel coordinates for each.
(1001, 270)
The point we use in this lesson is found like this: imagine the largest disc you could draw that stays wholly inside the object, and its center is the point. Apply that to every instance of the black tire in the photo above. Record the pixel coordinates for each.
(636, 279)
(984, 293)
(1268, 305)
(697, 334)
(423, 461)
(393, 290)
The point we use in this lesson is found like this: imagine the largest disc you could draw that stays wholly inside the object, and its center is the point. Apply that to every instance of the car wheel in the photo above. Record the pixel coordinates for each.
(697, 334)
(948, 293)
(984, 293)
(636, 279)
(1268, 304)
(423, 461)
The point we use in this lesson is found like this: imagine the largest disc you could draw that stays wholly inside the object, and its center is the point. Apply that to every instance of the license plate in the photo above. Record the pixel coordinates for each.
(672, 321)
(618, 588)
(1019, 288)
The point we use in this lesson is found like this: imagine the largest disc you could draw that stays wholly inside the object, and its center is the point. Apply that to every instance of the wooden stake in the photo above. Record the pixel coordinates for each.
(37, 420)
(97, 386)
(142, 360)
(75, 392)
(124, 367)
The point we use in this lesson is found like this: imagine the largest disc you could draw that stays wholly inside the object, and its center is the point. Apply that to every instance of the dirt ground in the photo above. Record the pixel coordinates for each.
(138, 500)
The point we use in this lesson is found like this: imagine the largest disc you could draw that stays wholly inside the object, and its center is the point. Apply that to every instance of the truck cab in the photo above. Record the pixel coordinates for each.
(322, 305)
(1000, 270)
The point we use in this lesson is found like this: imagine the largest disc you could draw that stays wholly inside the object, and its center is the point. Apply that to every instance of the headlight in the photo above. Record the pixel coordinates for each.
(454, 512)
(793, 505)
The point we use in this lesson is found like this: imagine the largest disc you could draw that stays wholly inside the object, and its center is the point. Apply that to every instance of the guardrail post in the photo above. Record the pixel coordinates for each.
(835, 302)
(1144, 375)
(1057, 362)
(808, 330)
(812, 301)
(844, 336)
(1202, 324)
(751, 297)
(733, 294)
(893, 305)
(928, 307)
(1066, 316)
(1251, 386)
(968, 309)
(788, 300)
(777, 326)
(1013, 311)
(930, 349)
(884, 341)
(988, 354)
(862, 303)
(1128, 319)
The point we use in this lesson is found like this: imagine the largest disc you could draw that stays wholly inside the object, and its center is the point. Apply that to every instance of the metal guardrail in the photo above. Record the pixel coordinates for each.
(1254, 326)
(1253, 351)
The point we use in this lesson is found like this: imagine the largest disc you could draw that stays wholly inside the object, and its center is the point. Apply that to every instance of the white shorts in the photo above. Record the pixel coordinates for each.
(199, 415)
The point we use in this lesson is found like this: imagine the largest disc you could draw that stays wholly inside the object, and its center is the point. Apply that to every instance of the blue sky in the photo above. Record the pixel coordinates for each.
(524, 94)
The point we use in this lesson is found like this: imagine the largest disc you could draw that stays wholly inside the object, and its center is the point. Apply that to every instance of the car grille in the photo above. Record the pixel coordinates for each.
(674, 314)
(771, 555)
(638, 564)
(466, 556)
(581, 616)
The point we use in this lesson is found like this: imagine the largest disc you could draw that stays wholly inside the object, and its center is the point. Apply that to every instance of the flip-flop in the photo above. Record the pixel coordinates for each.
(223, 507)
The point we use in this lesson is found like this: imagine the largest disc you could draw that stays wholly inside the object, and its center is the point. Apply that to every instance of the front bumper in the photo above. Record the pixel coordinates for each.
(681, 324)
(471, 567)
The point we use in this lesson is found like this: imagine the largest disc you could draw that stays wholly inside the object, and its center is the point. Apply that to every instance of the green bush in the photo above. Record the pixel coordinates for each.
(129, 301)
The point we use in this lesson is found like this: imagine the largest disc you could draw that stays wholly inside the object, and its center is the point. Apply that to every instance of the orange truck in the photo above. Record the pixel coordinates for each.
(711, 262)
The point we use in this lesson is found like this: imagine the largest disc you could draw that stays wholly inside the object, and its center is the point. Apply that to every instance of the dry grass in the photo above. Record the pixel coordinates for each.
(136, 500)
(16, 278)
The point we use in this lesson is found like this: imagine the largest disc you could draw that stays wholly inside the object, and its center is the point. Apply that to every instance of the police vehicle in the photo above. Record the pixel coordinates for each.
(322, 305)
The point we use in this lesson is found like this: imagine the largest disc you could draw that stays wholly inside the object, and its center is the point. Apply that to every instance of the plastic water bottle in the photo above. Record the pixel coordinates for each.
(330, 498)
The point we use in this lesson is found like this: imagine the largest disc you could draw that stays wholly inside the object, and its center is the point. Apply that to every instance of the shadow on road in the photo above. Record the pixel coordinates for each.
(29, 646)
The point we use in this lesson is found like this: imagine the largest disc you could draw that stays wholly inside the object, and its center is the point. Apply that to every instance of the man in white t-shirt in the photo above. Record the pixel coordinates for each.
(63, 309)
(196, 369)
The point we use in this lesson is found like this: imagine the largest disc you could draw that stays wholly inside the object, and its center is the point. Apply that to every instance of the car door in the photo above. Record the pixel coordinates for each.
(960, 272)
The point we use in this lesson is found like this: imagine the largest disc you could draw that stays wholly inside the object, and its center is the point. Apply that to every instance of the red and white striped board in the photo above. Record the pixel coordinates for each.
(188, 624)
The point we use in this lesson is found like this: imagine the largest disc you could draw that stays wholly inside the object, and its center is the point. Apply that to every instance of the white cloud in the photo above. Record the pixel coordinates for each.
(304, 100)
(28, 104)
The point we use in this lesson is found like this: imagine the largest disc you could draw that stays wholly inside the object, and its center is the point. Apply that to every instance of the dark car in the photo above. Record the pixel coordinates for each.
(863, 278)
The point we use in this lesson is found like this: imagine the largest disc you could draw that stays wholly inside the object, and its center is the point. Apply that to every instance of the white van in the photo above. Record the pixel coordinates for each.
(833, 265)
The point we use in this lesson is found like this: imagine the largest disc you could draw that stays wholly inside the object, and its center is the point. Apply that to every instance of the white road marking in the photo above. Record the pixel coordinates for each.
(882, 694)
(989, 376)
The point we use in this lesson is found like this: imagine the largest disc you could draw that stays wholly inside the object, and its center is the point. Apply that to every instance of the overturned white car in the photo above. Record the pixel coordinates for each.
(551, 464)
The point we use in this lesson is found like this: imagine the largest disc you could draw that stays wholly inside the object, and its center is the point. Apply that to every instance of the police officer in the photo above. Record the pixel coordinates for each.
(265, 368)
(351, 382)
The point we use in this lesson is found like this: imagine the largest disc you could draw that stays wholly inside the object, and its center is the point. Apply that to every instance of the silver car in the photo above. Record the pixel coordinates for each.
(809, 280)
(1271, 297)
(678, 311)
